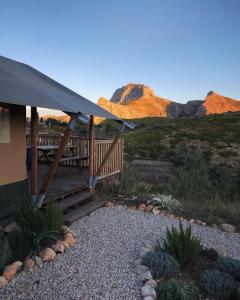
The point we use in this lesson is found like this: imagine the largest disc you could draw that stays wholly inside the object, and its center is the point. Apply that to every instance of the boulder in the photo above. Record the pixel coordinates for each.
(148, 291)
(141, 269)
(3, 282)
(228, 228)
(47, 254)
(151, 282)
(145, 276)
(37, 260)
(157, 172)
(142, 207)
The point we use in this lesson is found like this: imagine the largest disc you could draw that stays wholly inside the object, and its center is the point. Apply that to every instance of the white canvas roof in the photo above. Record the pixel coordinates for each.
(21, 84)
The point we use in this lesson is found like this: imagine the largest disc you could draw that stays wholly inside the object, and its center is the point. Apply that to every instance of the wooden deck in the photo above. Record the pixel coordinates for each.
(66, 179)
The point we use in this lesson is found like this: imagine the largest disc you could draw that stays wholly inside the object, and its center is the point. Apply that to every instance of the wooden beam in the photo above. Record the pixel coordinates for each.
(34, 134)
(114, 143)
(91, 150)
(57, 158)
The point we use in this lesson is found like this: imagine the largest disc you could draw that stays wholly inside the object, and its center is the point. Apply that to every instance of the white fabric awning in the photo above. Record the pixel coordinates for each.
(23, 85)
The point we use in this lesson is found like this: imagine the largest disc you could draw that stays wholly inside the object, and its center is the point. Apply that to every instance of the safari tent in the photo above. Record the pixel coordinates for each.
(63, 168)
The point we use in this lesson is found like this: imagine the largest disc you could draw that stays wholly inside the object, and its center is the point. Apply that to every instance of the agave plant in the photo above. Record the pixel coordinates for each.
(180, 243)
(166, 202)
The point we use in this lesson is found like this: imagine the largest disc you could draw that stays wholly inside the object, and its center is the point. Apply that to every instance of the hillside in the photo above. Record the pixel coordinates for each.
(138, 101)
(158, 138)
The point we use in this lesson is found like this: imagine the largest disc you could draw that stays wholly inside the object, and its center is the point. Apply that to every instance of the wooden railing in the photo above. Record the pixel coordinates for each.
(113, 165)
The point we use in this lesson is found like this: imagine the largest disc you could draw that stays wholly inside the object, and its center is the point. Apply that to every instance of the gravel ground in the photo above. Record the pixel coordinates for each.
(101, 264)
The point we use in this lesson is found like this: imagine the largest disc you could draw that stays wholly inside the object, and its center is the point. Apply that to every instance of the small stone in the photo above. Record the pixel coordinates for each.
(29, 264)
(148, 298)
(65, 244)
(147, 290)
(47, 254)
(131, 207)
(59, 246)
(228, 228)
(199, 222)
(144, 251)
(142, 207)
(181, 219)
(145, 276)
(151, 282)
(73, 233)
(3, 282)
(37, 260)
(156, 211)
(10, 227)
(141, 269)
(221, 250)
(110, 204)
(138, 262)
(68, 238)
(192, 221)
(11, 270)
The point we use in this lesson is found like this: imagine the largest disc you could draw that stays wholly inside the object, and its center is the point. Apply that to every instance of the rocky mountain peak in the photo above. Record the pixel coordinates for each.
(131, 92)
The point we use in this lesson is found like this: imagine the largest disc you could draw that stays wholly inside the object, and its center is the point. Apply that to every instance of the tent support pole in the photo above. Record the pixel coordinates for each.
(34, 129)
(91, 152)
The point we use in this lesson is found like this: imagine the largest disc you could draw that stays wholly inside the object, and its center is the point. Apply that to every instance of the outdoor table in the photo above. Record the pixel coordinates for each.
(51, 149)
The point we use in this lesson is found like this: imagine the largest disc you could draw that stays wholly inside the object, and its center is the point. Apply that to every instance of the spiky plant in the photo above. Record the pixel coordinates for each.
(180, 243)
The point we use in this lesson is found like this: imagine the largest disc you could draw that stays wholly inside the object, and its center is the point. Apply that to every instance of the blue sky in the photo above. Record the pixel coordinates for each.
(182, 49)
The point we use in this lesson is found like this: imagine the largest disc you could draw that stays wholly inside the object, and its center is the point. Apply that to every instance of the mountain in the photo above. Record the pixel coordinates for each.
(139, 101)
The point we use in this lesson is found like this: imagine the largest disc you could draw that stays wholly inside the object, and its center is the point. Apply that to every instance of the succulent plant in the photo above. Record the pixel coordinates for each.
(218, 284)
(229, 265)
(176, 290)
(166, 202)
(5, 251)
(182, 245)
(161, 264)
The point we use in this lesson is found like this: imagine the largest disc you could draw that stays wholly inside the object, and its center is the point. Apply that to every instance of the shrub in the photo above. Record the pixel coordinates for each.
(166, 202)
(37, 227)
(5, 251)
(217, 284)
(229, 265)
(182, 245)
(176, 290)
(161, 264)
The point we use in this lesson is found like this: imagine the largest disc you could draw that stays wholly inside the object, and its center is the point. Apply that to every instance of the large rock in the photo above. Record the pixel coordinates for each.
(131, 92)
(154, 171)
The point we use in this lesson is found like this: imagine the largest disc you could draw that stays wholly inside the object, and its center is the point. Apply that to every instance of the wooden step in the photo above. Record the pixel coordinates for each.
(82, 211)
(74, 199)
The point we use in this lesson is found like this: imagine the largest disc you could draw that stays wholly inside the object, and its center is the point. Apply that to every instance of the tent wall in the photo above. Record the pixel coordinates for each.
(13, 151)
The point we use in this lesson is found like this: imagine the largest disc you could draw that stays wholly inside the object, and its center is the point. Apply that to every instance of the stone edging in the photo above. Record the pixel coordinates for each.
(145, 276)
(46, 255)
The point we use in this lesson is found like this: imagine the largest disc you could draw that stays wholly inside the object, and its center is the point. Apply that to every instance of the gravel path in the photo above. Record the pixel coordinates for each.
(101, 264)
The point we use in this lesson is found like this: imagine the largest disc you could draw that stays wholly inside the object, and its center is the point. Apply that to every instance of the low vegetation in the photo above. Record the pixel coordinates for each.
(35, 229)
(186, 272)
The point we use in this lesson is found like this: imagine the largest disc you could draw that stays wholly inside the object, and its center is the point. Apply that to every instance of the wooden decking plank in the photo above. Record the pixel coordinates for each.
(74, 199)
(82, 211)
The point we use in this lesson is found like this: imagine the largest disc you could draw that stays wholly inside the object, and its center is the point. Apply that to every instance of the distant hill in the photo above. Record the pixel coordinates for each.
(139, 101)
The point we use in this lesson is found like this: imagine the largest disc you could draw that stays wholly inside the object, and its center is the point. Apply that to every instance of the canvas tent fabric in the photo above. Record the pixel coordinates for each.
(23, 85)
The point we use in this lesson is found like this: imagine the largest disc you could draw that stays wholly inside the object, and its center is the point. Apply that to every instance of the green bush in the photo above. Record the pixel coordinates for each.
(218, 284)
(229, 265)
(37, 227)
(5, 251)
(161, 264)
(182, 245)
(176, 290)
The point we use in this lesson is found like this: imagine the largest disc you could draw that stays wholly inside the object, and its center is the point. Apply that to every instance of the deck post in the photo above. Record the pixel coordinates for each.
(34, 129)
(56, 160)
(91, 152)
